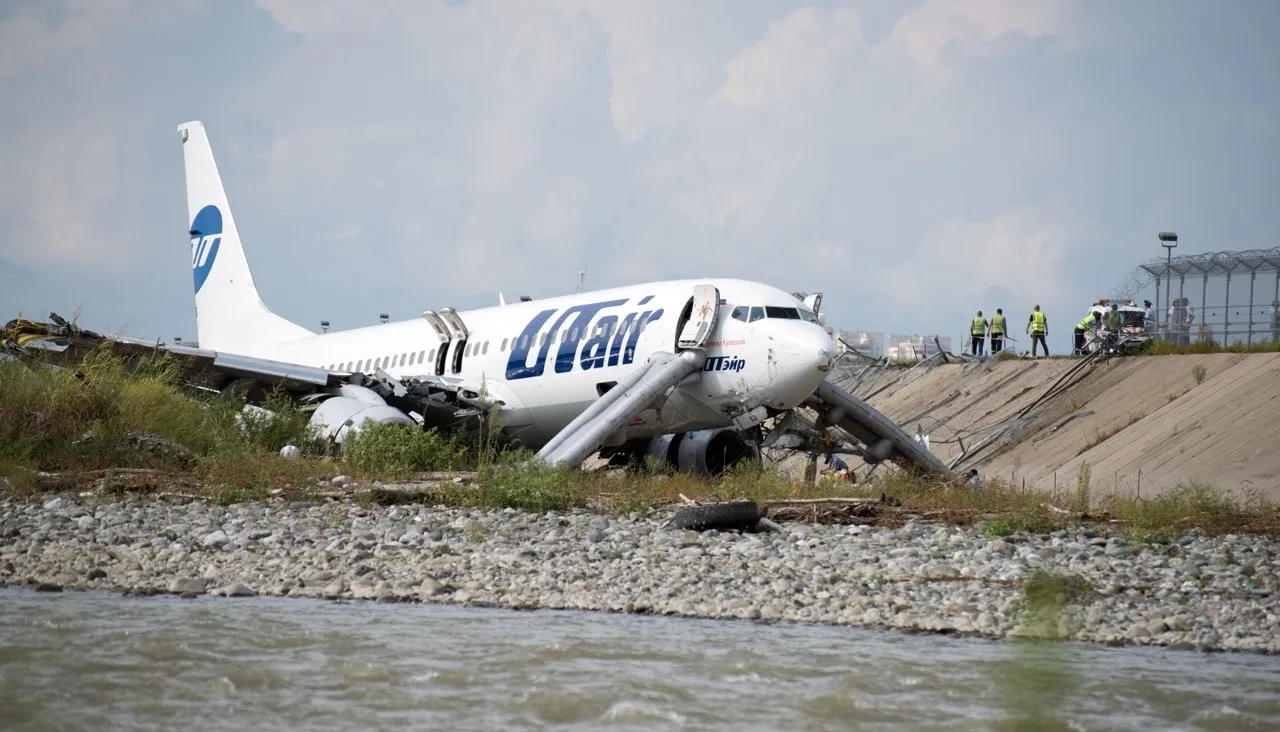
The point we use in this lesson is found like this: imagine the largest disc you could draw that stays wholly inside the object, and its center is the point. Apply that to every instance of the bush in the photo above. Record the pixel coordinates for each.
(516, 480)
(284, 423)
(397, 451)
(46, 414)
(106, 414)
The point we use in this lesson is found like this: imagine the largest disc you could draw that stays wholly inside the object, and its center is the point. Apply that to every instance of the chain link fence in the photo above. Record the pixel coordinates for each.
(1226, 297)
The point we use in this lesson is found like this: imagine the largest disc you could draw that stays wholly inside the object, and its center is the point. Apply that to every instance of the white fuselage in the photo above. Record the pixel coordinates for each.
(545, 359)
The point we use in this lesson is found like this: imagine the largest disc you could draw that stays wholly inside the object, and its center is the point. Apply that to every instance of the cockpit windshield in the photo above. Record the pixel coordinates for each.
(752, 313)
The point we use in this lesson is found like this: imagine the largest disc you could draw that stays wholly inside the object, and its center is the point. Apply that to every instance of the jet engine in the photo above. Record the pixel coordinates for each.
(341, 416)
(703, 452)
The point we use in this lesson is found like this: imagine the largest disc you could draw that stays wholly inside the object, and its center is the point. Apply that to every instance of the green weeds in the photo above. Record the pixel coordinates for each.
(1202, 347)
(399, 452)
(104, 414)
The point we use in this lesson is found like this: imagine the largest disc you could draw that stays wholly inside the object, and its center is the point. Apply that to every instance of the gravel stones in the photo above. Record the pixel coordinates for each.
(1196, 592)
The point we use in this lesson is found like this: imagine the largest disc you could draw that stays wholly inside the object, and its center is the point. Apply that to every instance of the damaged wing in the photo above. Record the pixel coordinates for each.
(66, 342)
(341, 400)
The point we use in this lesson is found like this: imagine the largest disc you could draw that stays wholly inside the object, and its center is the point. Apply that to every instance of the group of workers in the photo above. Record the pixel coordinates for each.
(1038, 328)
(997, 328)
(1110, 320)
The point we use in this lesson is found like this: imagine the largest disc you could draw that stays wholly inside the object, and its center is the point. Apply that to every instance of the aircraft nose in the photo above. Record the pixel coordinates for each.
(810, 353)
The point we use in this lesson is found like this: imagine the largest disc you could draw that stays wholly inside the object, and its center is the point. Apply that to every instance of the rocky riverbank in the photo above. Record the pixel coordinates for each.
(1205, 593)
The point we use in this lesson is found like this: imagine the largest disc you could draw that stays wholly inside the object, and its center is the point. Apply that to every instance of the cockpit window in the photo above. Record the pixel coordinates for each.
(750, 314)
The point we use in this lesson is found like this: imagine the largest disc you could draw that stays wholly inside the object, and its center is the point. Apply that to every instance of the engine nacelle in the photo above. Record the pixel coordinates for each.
(703, 452)
(341, 417)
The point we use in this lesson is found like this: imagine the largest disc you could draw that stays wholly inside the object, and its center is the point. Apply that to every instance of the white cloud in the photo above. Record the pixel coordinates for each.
(976, 27)
(663, 56)
(319, 20)
(799, 55)
(491, 145)
(61, 185)
(1021, 252)
(753, 131)
(31, 37)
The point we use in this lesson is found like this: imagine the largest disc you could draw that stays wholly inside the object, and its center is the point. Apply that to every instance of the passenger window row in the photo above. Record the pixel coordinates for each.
(473, 349)
(369, 364)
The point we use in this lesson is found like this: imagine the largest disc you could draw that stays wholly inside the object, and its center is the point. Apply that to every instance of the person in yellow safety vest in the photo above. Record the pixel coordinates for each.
(978, 329)
(1089, 322)
(997, 331)
(1038, 327)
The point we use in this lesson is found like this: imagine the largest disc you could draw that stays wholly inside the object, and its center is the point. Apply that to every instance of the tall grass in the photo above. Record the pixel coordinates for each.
(399, 452)
(105, 414)
(1165, 348)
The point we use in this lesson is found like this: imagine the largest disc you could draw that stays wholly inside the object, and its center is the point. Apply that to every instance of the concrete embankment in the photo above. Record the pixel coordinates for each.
(1203, 593)
(1141, 424)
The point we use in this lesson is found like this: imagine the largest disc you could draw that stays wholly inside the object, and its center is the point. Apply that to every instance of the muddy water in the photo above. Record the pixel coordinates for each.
(91, 661)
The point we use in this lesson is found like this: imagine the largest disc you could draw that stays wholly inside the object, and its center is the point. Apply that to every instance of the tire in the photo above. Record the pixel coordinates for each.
(737, 515)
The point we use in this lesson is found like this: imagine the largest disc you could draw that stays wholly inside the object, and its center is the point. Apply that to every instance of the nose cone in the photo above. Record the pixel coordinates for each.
(805, 358)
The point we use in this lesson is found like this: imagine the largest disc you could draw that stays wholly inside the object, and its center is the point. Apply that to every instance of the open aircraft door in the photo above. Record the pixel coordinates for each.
(437, 325)
(442, 331)
(702, 317)
(460, 334)
(814, 302)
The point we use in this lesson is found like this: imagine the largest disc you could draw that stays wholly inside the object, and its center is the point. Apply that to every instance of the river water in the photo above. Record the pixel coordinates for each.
(94, 661)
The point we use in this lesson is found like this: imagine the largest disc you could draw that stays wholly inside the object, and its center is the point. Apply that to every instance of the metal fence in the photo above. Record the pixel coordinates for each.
(1228, 297)
(895, 347)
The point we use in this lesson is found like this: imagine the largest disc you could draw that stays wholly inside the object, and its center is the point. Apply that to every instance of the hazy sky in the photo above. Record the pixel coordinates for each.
(913, 160)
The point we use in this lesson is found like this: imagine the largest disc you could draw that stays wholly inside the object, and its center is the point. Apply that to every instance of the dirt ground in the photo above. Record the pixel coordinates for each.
(1140, 424)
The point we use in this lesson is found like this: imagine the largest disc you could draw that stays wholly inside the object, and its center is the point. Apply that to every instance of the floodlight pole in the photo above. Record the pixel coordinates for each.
(1168, 240)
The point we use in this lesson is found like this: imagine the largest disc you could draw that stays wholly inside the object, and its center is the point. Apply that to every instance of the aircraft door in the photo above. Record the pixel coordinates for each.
(442, 332)
(814, 302)
(460, 335)
(702, 317)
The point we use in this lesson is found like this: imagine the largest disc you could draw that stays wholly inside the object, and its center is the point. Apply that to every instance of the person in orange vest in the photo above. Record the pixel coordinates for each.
(978, 331)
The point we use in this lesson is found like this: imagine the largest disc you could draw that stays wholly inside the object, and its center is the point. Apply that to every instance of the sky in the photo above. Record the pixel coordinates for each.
(912, 160)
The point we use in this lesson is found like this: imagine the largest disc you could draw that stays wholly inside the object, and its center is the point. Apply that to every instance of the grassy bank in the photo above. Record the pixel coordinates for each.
(1164, 348)
(149, 435)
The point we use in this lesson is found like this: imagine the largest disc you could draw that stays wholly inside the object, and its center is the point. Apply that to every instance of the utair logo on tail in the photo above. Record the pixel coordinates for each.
(206, 234)
(608, 341)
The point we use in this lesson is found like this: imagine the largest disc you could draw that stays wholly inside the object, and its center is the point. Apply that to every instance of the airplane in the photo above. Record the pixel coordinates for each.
(686, 371)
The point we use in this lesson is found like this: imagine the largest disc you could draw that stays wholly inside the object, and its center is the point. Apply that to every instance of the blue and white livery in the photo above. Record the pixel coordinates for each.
(731, 352)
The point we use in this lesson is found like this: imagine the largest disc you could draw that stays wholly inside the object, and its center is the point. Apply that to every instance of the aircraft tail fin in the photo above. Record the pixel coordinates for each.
(229, 312)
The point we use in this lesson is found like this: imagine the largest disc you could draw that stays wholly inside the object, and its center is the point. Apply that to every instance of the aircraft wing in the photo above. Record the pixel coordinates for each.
(269, 372)
(67, 342)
